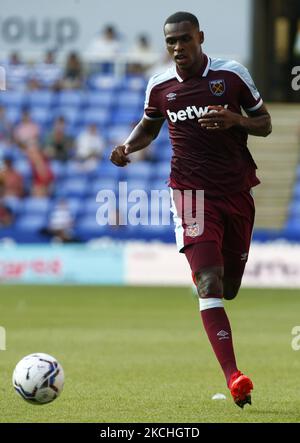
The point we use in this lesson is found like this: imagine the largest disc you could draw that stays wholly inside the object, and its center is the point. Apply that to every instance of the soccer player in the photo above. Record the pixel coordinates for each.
(202, 99)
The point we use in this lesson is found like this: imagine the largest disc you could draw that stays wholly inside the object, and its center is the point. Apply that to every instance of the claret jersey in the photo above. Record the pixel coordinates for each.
(217, 162)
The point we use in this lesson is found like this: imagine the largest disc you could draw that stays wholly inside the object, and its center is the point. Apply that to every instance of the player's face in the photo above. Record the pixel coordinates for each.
(183, 42)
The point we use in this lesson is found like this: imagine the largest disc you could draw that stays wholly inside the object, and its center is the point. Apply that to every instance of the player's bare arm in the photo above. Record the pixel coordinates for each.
(257, 123)
(141, 137)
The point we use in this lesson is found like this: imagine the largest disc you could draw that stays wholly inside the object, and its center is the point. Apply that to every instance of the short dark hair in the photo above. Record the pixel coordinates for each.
(182, 16)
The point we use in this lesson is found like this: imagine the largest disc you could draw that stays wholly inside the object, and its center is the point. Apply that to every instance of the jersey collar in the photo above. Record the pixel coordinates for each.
(181, 76)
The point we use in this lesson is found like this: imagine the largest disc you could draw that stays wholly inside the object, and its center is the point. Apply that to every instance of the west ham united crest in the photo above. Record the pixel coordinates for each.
(217, 87)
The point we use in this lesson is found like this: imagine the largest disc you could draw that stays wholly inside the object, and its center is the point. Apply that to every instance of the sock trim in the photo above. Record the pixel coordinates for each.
(209, 303)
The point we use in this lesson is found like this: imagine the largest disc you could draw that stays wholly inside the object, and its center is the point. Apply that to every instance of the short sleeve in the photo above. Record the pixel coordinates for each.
(151, 107)
(250, 98)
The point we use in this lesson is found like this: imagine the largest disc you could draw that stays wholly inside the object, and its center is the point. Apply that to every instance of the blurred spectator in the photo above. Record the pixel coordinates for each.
(58, 143)
(42, 175)
(11, 179)
(17, 72)
(6, 214)
(48, 74)
(26, 131)
(141, 56)
(73, 72)
(60, 223)
(104, 48)
(89, 147)
(5, 127)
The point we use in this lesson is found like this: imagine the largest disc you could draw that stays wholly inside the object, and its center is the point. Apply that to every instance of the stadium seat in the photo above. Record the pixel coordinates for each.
(41, 115)
(162, 171)
(163, 152)
(107, 169)
(36, 205)
(31, 222)
(43, 98)
(138, 170)
(73, 187)
(74, 204)
(58, 168)
(294, 209)
(102, 82)
(95, 115)
(71, 114)
(99, 99)
(134, 83)
(13, 114)
(23, 167)
(118, 133)
(13, 203)
(296, 195)
(13, 99)
(100, 184)
(130, 99)
(126, 116)
(70, 98)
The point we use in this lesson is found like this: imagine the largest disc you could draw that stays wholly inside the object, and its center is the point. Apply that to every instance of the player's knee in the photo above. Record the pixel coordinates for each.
(231, 288)
(209, 283)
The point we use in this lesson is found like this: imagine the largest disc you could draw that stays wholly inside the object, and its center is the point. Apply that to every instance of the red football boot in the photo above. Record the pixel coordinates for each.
(240, 387)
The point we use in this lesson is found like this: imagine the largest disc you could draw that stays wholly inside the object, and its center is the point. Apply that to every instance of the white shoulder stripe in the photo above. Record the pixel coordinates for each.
(157, 80)
(218, 64)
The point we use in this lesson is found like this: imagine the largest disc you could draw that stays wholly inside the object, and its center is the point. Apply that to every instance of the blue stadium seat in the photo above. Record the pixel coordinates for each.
(90, 207)
(102, 82)
(58, 168)
(70, 98)
(294, 209)
(126, 116)
(23, 167)
(130, 99)
(159, 184)
(100, 184)
(13, 99)
(41, 115)
(163, 151)
(107, 169)
(161, 171)
(134, 83)
(13, 114)
(138, 184)
(31, 222)
(70, 113)
(36, 205)
(138, 170)
(73, 187)
(95, 115)
(296, 195)
(118, 133)
(41, 98)
(99, 99)
(74, 204)
(14, 203)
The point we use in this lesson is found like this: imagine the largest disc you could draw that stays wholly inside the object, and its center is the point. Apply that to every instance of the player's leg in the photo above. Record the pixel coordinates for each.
(236, 242)
(205, 260)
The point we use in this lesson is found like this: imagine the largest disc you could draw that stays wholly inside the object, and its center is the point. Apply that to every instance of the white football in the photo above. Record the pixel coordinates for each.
(38, 378)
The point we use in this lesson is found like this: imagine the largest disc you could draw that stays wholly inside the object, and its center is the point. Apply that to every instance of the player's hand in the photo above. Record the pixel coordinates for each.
(219, 118)
(119, 156)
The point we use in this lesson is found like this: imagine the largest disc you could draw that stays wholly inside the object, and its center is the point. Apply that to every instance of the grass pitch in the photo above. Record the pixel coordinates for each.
(141, 354)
